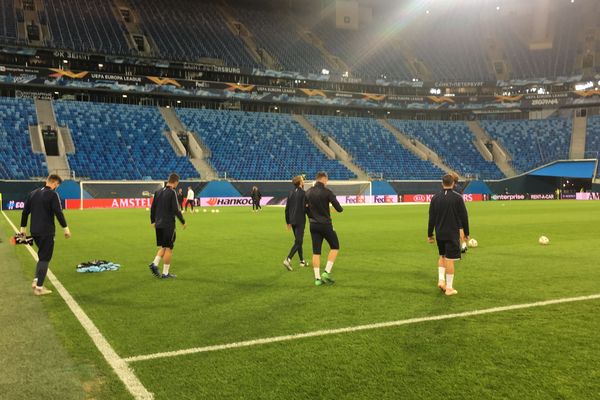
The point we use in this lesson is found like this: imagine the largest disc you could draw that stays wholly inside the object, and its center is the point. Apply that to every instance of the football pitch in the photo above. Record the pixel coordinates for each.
(198, 336)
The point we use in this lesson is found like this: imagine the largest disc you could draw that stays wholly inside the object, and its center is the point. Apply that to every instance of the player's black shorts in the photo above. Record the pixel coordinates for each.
(319, 232)
(165, 237)
(45, 246)
(449, 248)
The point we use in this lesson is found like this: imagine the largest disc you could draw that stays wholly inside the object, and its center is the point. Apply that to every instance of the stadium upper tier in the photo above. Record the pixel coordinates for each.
(115, 142)
(450, 44)
(17, 161)
(8, 21)
(191, 30)
(453, 142)
(533, 142)
(374, 148)
(259, 145)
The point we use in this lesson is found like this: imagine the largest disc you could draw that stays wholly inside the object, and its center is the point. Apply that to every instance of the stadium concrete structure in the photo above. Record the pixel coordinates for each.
(248, 91)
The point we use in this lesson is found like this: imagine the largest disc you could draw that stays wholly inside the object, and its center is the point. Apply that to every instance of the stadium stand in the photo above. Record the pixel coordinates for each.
(592, 141)
(17, 161)
(532, 143)
(276, 32)
(189, 30)
(375, 149)
(85, 26)
(259, 145)
(453, 142)
(8, 21)
(115, 142)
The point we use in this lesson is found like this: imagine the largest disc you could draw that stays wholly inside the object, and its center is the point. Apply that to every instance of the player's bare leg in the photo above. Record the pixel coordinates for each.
(442, 273)
(450, 278)
(167, 263)
(316, 260)
(330, 260)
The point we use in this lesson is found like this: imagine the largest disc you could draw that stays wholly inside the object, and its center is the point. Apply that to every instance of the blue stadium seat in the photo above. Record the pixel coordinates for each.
(453, 142)
(532, 143)
(374, 148)
(259, 145)
(115, 141)
(17, 161)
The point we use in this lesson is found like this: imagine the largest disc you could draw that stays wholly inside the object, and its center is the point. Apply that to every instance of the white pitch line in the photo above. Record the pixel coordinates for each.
(118, 364)
(381, 325)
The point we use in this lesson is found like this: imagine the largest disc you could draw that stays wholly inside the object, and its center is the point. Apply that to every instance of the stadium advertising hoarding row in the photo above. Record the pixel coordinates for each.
(54, 77)
(146, 202)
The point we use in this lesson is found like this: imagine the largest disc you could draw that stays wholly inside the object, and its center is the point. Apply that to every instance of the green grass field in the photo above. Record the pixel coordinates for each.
(232, 287)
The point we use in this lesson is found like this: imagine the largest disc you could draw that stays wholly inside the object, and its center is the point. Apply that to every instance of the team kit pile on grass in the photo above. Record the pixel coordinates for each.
(232, 287)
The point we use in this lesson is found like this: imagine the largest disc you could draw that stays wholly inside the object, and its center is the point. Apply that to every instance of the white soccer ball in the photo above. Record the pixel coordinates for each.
(204, 210)
(472, 243)
(543, 240)
(213, 211)
(147, 209)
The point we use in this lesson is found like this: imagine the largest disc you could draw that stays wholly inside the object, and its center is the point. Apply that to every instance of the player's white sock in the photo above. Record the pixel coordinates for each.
(317, 272)
(329, 266)
(157, 260)
(442, 273)
(449, 279)
(166, 269)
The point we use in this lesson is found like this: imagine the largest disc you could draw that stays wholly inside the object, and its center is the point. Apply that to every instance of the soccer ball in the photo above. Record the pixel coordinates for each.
(543, 240)
(147, 209)
(212, 211)
(473, 243)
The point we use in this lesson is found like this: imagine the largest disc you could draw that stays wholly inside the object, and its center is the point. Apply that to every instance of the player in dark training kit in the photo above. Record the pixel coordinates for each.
(447, 214)
(318, 199)
(295, 218)
(165, 207)
(43, 204)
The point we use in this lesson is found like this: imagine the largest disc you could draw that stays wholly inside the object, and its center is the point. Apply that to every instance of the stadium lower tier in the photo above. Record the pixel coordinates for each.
(129, 142)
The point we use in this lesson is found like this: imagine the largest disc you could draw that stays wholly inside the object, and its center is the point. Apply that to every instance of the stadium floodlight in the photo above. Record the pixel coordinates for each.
(325, 71)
